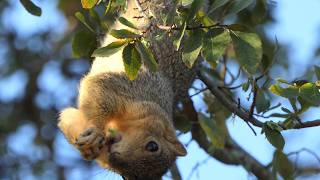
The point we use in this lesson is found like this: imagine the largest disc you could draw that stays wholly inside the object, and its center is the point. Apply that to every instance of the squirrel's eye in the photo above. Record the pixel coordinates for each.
(152, 146)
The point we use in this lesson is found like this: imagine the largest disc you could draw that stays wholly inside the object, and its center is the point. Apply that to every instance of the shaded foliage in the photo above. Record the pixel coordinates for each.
(242, 41)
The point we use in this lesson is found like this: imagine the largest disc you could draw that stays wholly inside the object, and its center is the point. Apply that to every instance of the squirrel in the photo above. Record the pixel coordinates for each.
(127, 125)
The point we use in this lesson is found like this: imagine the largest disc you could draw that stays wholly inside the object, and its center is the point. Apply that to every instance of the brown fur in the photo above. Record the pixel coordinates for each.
(140, 110)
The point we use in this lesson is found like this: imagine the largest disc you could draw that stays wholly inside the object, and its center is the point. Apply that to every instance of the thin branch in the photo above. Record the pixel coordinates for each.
(305, 150)
(175, 173)
(254, 101)
(233, 107)
(198, 164)
(232, 154)
(138, 4)
(233, 77)
(200, 91)
(201, 26)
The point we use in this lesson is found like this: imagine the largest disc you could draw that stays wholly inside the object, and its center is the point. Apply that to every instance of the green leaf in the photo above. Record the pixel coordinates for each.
(83, 44)
(126, 22)
(283, 165)
(109, 49)
(131, 60)
(147, 56)
(317, 71)
(204, 19)
(31, 7)
(210, 128)
(262, 103)
(82, 19)
(289, 123)
(192, 48)
(108, 8)
(311, 93)
(215, 44)
(195, 7)
(186, 2)
(177, 42)
(274, 137)
(123, 34)
(120, 2)
(248, 50)
(289, 92)
(286, 110)
(305, 105)
(239, 5)
(278, 115)
(216, 4)
(168, 19)
(88, 4)
(246, 85)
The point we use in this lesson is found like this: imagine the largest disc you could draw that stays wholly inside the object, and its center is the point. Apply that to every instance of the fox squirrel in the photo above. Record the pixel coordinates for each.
(126, 126)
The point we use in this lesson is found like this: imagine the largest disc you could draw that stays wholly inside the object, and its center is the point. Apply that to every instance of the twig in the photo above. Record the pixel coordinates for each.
(198, 164)
(231, 88)
(232, 154)
(201, 26)
(175, 173)
(233, 77)
(254, 101)
(305, 150)
(138, 4)
(200, 91)
(232, 106)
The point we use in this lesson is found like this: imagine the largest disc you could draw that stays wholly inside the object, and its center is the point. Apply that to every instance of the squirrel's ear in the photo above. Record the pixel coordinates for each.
(174, 144)
(179, 148)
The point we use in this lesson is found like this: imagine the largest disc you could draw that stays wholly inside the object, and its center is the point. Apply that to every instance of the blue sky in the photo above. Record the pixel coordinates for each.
(298, 25)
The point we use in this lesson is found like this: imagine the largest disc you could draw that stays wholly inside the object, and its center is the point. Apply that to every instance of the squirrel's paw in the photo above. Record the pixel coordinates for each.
(90, 143)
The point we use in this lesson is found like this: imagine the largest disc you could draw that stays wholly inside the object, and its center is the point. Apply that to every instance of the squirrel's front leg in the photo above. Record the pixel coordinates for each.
(88, 139)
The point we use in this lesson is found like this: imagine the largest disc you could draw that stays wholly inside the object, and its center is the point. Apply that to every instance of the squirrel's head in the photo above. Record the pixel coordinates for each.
(147, 148)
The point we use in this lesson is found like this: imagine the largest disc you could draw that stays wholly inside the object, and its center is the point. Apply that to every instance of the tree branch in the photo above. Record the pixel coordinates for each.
(175, 173)
(233, 107)
(232, 154)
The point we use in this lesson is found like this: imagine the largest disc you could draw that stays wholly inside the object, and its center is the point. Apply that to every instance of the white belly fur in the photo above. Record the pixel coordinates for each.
(114, 62)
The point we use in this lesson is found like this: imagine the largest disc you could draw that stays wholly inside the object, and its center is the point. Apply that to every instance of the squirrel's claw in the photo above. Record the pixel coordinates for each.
(90, 143)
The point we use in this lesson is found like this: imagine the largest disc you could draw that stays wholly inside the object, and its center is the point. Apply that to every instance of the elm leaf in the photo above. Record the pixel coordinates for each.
(192, 48)
(262, 103)
(83, 44)
(216, 4)
(31, 7)
(109, 49)
(82, 19)
(123, 34)
(146, 56)
(210, 128)
(283, 165)
(177, 42)
(126, 22)
(88, 4)
(248, 49)
(195, 7)
(131, 60)
(274, 137)
(239, 5)
(215, 44)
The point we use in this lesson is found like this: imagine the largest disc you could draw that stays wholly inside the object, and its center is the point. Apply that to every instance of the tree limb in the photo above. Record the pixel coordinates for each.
(175, 173)
(233, 107)
(232, 154)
